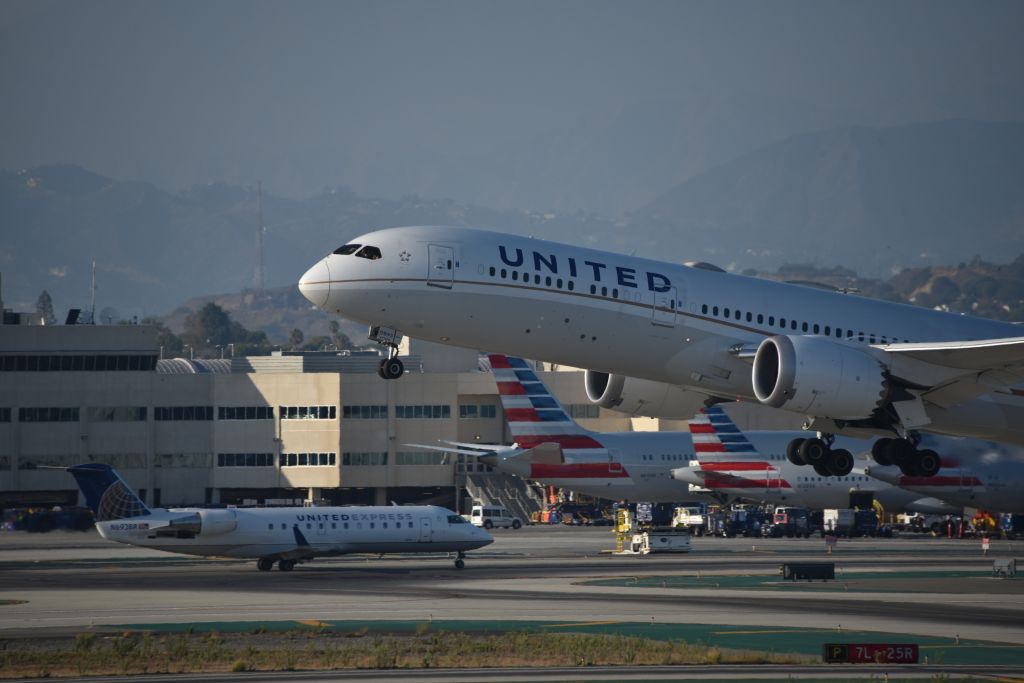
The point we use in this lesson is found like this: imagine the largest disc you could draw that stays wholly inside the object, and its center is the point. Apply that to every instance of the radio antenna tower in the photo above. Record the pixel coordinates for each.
(258, 277)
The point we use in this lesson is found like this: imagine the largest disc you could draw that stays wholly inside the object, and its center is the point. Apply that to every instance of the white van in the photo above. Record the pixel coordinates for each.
(490, 516)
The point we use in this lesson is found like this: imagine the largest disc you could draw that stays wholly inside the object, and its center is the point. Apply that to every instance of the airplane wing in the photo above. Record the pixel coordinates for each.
(466, 448)
(980, 355)
(953, 372)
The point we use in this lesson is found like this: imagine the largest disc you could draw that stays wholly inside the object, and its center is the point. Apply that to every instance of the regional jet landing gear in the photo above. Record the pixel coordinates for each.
(460, 563)
(904, 454)
(265, 564)
(390, 367)
(818, 453)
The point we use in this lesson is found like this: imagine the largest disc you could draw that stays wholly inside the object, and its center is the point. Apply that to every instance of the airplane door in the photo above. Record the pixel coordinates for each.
(664, 307)
(441, 264)
(426, 532)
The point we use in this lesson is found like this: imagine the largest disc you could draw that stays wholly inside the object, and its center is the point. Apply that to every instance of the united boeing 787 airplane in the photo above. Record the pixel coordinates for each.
(664, 338)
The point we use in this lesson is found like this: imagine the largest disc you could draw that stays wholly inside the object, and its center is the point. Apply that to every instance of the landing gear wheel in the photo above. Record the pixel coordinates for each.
(928, 463)
(391, 368)
(822, 469)
(840, 462)
(460, 564)
(264, 564)
(880, 452)
(793, 451)
(286, 565)
(813, 451)
(900, 452)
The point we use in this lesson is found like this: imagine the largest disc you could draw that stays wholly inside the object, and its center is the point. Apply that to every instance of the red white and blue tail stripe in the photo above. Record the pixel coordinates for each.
(726, 457)
(536, 417)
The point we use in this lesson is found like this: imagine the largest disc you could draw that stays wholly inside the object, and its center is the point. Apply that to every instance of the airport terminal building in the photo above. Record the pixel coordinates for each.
(255, 430)
(277, 429)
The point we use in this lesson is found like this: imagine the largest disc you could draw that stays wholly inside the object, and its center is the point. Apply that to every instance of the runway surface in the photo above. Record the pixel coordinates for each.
(900, 589)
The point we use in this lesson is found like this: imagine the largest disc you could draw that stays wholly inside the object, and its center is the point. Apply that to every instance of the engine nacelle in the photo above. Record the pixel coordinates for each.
(217, 522)
(641, 397)
(198, 523)
(816, 376)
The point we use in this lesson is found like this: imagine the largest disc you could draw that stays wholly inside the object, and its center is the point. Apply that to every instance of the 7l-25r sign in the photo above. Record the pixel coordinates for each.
(870, 653)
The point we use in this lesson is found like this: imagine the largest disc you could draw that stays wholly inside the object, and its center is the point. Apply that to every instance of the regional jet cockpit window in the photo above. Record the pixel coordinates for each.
(457, 519)
(372, 253)
(347, 249)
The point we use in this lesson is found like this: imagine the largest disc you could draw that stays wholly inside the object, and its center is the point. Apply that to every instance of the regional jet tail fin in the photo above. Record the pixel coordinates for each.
(531, 410)
(716, 436)
(106, 493)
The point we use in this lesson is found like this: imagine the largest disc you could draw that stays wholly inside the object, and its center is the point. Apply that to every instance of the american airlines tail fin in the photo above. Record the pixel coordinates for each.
(106, 493)
(715, 434)
(527, 402)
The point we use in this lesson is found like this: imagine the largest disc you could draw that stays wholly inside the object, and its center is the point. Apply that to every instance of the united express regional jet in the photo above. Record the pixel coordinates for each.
(284, 536)
(663, 338)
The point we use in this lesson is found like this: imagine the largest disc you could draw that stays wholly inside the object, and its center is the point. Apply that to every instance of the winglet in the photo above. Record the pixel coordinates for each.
(106, 493)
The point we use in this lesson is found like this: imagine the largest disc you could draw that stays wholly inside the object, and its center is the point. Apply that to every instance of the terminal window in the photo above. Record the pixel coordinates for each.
(584, 410)
(364, 412)
(48, 415)
(245, 460)
(308, 412)
(424, 412)
(245, 413)
(422, 458)
(117, 414)
(364, 458)
(309, 459)
(179, 413)
(471, 411)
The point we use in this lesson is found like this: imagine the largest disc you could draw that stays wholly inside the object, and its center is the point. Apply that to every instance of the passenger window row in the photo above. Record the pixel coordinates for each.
(792, 325)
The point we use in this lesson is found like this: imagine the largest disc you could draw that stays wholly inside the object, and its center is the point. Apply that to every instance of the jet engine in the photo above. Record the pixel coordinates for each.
(817, 376)
(199, 523)
(641, 397)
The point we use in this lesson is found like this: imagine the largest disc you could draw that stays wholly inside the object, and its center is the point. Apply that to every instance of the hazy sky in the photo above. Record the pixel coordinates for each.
(304, 94)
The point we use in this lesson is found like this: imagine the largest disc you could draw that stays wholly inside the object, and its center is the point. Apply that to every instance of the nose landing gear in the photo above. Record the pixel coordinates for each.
(460, 562)
(390, 367)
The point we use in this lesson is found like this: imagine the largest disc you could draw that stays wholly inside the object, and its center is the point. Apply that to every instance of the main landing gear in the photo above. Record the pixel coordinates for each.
(904, 454)
(818, 453)
(265, 564)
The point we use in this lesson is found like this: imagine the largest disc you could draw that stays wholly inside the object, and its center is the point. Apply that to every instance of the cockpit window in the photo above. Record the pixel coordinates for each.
(347, 249)
(372, 253)
(456, 519)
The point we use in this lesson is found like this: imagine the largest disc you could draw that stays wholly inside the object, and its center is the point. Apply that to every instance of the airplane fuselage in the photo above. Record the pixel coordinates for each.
(301, 532)
(626, 315)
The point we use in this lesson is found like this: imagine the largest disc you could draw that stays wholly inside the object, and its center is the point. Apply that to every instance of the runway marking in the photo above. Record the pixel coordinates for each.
(763, 631)
(581, 623)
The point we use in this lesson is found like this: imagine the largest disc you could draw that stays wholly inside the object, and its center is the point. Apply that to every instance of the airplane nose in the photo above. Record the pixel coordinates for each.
(315, 285)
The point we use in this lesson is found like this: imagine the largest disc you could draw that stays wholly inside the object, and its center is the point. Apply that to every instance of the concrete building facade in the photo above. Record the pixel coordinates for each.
(257, 430)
